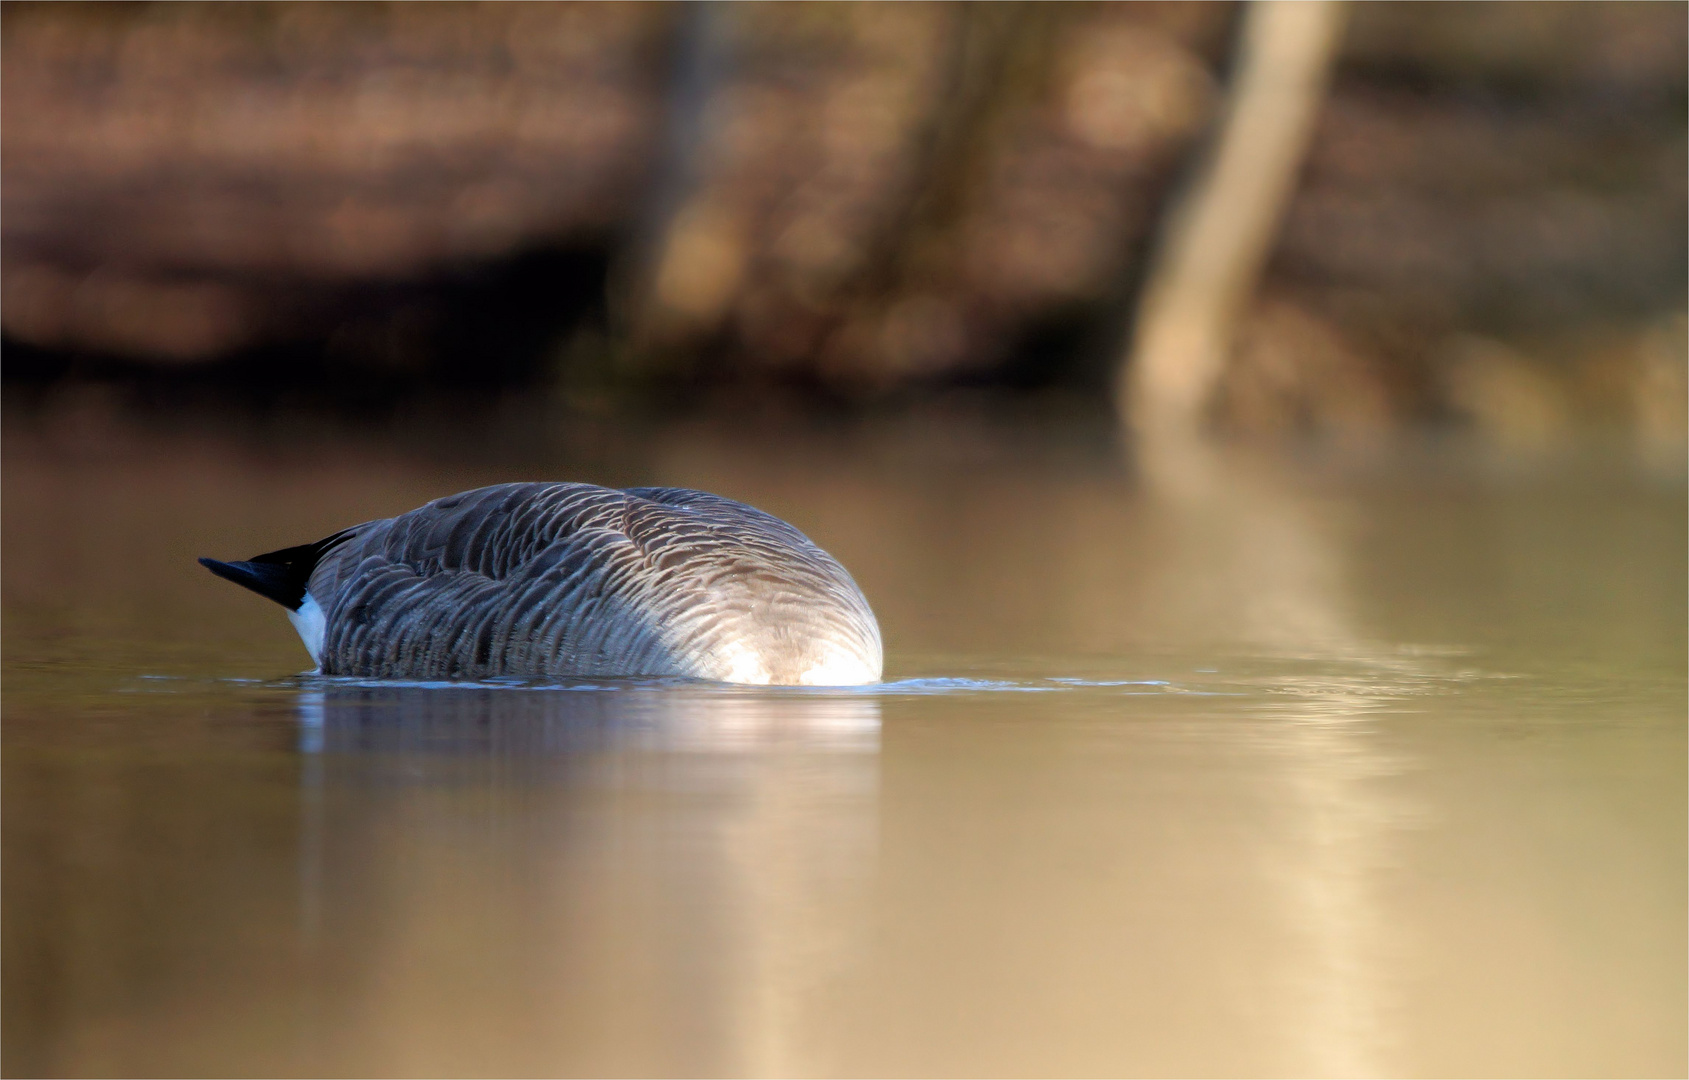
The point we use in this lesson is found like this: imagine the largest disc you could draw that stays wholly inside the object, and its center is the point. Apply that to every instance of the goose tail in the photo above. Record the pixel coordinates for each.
(275, 581)
(283, 576)
(279, 575)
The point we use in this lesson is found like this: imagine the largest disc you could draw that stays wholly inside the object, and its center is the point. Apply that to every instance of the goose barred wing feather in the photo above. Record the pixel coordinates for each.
(573, 579)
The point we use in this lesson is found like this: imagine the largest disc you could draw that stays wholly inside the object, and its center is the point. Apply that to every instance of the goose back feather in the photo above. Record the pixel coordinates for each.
(562, 579)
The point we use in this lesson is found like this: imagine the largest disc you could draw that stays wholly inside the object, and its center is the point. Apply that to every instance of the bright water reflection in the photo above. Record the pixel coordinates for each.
(347, 716)
(1237, 773)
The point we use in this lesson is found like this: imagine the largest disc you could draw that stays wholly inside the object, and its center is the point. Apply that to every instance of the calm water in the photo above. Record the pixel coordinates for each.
(1364, 768)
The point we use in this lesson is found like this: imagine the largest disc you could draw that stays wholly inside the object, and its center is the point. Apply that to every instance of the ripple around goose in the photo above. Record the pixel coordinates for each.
(558, 579)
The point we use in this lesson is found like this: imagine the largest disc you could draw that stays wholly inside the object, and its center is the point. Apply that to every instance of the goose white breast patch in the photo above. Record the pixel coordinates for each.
(840, 668)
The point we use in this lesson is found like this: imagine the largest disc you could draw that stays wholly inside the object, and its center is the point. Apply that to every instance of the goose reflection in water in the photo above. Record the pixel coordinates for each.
(690, 876)
(520, 720)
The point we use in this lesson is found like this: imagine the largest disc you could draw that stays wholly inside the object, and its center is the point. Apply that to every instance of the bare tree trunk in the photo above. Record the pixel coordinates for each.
(1220, 233)
(701, 59)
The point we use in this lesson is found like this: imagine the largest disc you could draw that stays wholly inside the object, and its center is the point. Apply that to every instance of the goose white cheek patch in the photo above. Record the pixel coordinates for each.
(310, 623)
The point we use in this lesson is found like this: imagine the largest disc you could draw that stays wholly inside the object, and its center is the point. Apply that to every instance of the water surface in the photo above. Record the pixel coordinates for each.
(1337, 768)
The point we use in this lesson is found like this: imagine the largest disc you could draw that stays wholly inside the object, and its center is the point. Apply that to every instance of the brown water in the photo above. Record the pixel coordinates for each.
(1333, 769)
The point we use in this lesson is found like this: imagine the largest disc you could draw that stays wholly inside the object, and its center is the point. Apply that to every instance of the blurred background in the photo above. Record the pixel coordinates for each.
(613, 207)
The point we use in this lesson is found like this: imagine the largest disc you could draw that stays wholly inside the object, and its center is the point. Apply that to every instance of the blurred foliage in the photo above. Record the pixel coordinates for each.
(859, 200)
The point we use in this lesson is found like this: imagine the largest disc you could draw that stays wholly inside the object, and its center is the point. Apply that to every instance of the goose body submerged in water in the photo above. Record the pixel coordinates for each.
(573, 580)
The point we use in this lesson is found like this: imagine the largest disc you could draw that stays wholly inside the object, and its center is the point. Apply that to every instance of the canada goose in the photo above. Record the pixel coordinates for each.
(573, 580)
